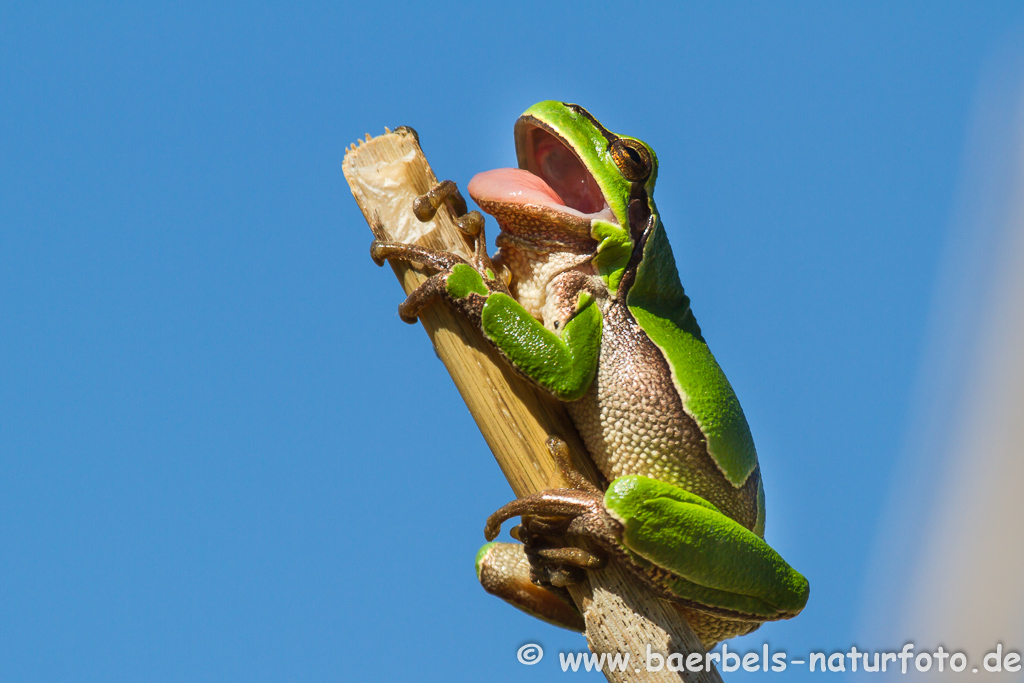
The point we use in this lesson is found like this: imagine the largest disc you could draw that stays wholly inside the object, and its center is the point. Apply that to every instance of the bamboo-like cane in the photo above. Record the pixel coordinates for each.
(386, 174)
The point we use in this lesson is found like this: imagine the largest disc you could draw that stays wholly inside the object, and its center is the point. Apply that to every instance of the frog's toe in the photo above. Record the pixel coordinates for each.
(472, 224)
(555, 503)
(559, 576)
(382, 250)
(426, 206)
(555, 564)
(421, 297)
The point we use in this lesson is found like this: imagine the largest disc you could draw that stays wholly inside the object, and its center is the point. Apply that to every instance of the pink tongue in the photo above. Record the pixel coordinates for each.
(512, 185)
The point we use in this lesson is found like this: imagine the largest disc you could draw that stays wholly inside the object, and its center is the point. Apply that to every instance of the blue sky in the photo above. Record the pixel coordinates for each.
(203, 473)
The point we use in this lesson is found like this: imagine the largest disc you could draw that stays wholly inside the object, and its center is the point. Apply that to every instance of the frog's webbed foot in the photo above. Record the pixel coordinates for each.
(549, 515)
(557, 512)
(470, 223)
(551, 563)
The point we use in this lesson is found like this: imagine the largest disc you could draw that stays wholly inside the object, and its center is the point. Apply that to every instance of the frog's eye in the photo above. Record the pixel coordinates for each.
(632, 158)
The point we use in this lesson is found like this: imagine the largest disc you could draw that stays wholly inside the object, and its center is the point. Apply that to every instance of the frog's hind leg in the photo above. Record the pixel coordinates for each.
(549, 516)
(504, 570)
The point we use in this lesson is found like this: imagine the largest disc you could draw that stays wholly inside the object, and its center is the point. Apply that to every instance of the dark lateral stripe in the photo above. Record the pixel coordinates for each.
(608, 135)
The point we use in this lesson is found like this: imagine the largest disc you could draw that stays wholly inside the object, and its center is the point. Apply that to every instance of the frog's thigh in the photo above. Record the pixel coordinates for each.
(504, 571)
(718, 562)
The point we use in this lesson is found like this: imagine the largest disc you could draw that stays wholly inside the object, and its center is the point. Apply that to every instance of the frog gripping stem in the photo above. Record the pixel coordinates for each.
(386, 174)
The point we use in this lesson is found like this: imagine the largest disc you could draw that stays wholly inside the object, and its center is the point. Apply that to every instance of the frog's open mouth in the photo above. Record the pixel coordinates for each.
(550, 199)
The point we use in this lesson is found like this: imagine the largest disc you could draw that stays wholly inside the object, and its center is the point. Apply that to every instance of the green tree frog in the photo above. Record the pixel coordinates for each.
(584, 300)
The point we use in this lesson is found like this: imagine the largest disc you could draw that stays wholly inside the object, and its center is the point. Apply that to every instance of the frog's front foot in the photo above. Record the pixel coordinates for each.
(483, 278)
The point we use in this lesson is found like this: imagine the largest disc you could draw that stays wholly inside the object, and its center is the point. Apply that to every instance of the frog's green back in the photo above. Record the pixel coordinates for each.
(657, 301)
